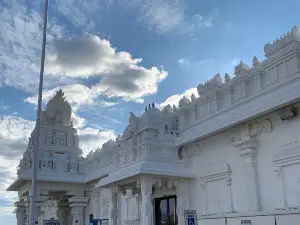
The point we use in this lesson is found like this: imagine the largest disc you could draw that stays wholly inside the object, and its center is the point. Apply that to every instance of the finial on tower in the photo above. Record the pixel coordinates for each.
(193, 97)
(227, 77)
(174, 108)
(295, 29)
(255, 61)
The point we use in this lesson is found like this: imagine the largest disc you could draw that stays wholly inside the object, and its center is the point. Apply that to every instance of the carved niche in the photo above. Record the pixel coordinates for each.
(216, 188)
(287, 161)
(132, 202)
(105, 208)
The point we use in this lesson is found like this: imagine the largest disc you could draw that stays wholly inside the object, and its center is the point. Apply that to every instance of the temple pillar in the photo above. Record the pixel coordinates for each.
(113, 216)
(47, 209)
(182, 193)
(20, 212)
(63, 211)
(78, 205)
(248, 151)
(95, 198)
(145, 185)
(38, 213)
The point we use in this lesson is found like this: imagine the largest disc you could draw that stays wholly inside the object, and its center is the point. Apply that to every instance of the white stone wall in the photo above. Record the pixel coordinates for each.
(225, 183)
(284, 135)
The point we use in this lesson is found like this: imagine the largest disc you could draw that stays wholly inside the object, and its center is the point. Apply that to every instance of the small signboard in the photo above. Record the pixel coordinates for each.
(52, 222)
(99, 221)
(190, 217)
(246, 222)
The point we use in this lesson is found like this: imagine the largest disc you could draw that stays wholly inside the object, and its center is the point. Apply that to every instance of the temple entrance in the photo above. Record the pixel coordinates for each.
(165, 211)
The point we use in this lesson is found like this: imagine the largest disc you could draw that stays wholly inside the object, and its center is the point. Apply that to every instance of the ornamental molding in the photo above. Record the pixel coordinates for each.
(289, 153)
(216, 171)
(286, 156)
(246, 133)
(212, 176)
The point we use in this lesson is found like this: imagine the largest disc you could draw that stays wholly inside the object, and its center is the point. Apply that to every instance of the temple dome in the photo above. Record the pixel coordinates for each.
(184, 101)
(150, 119)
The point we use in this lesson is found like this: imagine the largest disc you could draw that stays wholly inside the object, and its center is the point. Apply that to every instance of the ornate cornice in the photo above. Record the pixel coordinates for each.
(288, 153)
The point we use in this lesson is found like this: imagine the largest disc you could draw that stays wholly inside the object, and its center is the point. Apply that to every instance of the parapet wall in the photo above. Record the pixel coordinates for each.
(216, 96)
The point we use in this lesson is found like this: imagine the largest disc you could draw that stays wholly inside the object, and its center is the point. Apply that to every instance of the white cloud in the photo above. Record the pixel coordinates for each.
(78, 122)
(174, 99)
(20, 44)
(81, 12)
(120, 75)
(79, 96)
(14, 133)
(168, 16)
(91, 138)
(182, 61)
(163, 15)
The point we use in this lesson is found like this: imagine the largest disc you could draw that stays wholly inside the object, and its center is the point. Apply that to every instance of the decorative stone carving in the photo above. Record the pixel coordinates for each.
(184, 101)
(146, 184)
(216, 179)
(251, 129)
(58, 110)
(210, 86)
(50, 209)
(182, 193)
(132, 201)
(20, 212)
(248, 150)
(113, 216)
(105, 208)
(287, 161)
(77, 205)
(170, 184)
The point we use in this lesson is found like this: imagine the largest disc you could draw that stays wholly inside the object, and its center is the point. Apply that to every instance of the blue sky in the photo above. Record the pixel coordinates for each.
(112, 57)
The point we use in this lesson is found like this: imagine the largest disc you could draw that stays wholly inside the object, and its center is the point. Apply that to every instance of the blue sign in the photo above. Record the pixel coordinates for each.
(190, 217)
(98, 221)
(52, 222)
(191, 220)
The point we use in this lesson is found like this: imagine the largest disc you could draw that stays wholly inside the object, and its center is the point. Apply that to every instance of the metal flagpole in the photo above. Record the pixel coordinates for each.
(32, 216)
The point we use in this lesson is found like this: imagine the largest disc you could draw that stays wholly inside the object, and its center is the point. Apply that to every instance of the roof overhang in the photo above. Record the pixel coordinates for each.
(147, 167)
(42, 177)
(15, 185)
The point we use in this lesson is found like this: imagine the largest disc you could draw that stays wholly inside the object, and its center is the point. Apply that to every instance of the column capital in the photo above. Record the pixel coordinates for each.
(96, 191)
(246, 144)
(75, 200)
(19, 204)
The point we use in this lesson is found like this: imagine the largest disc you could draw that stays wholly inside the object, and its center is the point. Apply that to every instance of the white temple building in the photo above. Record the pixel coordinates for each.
(232, 154)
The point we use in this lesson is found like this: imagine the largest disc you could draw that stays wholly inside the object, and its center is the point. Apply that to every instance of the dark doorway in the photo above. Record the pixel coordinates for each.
(165, 211)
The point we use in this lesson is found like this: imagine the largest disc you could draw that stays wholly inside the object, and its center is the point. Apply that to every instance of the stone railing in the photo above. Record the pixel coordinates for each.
(217, 96)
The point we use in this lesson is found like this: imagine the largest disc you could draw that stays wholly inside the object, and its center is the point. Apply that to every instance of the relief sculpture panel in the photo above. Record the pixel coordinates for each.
(216, 189)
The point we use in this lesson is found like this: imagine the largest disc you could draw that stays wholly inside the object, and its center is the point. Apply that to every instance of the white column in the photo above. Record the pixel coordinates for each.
(182, 192)
(248, 151)
(20, 212)
(145, 185)
(78, 205)
(38, 203)
(47, 209)
(113, 216)
(95, 198)
(62, 211)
